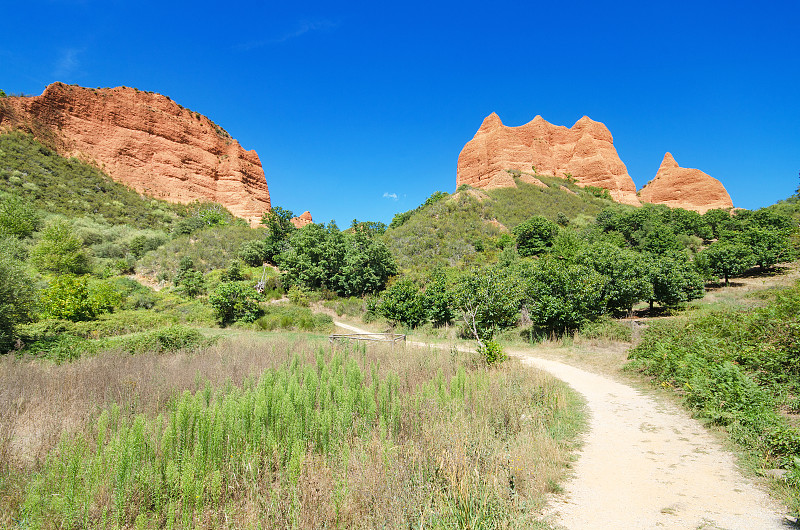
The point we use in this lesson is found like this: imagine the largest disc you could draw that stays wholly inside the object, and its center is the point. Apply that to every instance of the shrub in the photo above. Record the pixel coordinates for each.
(234, 301)
(402, 303)
(59, 250)
(166, 340)
(72, 298)
(17, 298)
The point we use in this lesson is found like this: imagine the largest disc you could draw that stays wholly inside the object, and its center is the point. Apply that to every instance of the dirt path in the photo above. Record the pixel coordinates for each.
(647, 465)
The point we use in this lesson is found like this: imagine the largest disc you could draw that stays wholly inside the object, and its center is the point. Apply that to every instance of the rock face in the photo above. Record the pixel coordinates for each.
(146, 141)
(302, 220)
(680, 187)
(585, 151)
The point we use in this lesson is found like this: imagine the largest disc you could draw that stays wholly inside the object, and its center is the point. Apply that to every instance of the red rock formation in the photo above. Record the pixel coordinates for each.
(147, 142)
(302, 220)
(680, 187)
(585, 151)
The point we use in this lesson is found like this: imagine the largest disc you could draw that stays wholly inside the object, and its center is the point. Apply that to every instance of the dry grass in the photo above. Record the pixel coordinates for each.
(472, 446)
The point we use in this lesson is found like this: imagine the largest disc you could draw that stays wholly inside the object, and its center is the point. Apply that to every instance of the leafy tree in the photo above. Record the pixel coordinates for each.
(279, 228)
(60, 251)
(488, 300)
(657, 238)
(188, 279)
(403, 303)
(234, 301)
(675, 280)
(18, 217)
(717, 219)
(768, 245)
(17, 299)
(535, 235)
(728, 258)
(370, 228)
(626, 271)
(72, 298)
(439, 299)
(324, 257)
(367, 265)
(562, 296)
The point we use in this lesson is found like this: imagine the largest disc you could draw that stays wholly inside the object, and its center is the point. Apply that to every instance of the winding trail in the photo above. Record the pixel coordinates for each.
(646, 464)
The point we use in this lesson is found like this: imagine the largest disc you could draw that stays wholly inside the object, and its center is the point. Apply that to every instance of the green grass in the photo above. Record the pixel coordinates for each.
(464, 230)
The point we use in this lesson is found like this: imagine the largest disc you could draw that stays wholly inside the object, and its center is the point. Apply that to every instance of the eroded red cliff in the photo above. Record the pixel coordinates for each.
(585, 151)
(148, 142)
(687, 188)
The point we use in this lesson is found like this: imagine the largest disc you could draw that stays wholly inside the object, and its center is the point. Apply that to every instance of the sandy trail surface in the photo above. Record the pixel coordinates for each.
(647, 464)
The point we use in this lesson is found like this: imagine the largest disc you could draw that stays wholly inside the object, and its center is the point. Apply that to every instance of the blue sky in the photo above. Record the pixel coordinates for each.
(360, 109)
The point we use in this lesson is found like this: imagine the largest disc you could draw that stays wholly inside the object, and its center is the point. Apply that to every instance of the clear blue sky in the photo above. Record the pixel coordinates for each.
(360, 109)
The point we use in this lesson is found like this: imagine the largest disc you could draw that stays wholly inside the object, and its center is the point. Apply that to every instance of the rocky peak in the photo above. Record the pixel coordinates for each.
(302, 220)
(585, 151)
(146, 141)
(688, 188)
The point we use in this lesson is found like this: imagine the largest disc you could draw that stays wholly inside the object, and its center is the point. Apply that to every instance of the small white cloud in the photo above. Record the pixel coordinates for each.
(67, 62)
(392, 196)
(305, 26)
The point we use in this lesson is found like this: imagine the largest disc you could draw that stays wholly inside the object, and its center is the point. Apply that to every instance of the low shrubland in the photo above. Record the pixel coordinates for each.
(282, 433)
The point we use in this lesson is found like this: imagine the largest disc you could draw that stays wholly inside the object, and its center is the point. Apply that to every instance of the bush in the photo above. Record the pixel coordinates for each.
(17, 298)
(281, 316)
(402, 303)
(492, 352)
(73, 298)
(60, 251)
(234, 301)
(166, 340)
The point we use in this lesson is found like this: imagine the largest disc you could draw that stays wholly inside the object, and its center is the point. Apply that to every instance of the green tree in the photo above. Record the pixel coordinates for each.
(717, 219)
(279, 228)
(562, 296)
(60, 251)
(489, 301)
(17, 299)
(728, 258)
(403, 303)
(18, 217)
(535, 235)
(768, 245)
(234, 301)
(675, 280)
(351, 264)
(626, 271)
(439, 299)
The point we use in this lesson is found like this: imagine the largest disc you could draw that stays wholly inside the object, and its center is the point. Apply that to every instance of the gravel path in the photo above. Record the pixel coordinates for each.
(648, 465)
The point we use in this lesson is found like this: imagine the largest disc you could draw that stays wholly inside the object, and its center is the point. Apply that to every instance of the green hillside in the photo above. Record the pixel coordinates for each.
(471, 226)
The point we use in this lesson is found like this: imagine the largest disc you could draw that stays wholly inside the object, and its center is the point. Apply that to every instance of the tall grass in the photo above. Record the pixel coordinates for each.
(284, 433)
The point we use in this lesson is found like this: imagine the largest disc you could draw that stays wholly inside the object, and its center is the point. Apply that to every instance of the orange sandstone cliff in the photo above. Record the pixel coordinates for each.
(680, 187)
(302, 220)
(585, 151)
(146, 141)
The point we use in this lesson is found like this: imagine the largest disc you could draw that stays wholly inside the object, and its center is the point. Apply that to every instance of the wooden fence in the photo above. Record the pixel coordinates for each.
(372, 337)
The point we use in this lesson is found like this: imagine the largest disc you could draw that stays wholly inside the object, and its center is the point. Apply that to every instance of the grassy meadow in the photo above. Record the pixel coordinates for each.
(282, 431)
